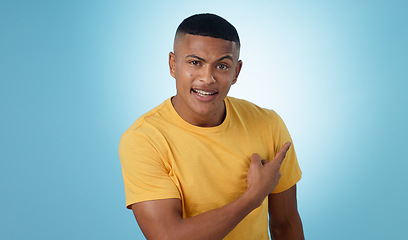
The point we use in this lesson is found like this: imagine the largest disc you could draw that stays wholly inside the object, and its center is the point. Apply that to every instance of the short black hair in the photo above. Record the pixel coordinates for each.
(210, 25)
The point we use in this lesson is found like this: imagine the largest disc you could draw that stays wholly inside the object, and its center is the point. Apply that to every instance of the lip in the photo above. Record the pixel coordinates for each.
(202, 94)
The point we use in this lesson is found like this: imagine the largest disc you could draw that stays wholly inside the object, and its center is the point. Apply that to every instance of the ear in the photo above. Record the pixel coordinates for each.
(172, 64)
(237, 71)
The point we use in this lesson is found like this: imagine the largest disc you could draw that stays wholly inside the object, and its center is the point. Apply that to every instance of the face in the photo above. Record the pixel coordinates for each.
(204, 69)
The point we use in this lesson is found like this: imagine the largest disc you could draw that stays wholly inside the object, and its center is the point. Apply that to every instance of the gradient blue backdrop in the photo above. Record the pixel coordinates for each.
(75, 74)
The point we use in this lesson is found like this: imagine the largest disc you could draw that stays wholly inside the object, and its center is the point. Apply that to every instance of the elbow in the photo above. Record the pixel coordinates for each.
(286, 229)
(278, 228)
(163, 235)
(159, 237)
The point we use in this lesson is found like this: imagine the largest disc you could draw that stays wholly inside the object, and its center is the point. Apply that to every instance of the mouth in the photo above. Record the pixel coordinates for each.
(203, 93)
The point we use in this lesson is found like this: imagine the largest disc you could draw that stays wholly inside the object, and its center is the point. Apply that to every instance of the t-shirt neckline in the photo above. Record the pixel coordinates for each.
(181, 122)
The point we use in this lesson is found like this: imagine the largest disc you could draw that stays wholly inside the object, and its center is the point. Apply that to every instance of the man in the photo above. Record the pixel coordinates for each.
(206, 166)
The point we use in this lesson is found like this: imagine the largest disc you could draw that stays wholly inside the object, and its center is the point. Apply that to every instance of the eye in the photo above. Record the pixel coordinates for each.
(194, 62)
(222, 66)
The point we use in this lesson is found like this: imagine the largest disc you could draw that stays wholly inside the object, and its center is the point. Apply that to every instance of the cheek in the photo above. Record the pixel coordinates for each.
(225, 79)
(183, 70)
(184, 80)
(188, 76)
(226, 88)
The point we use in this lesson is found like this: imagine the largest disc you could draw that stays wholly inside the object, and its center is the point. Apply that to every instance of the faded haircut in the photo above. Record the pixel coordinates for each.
(209, 25)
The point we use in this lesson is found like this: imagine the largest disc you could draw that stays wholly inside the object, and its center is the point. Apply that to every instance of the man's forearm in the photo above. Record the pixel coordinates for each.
(214, 224)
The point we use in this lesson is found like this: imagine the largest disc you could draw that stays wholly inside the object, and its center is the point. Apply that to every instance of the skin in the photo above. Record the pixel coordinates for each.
(211, 65)
(284, 219)
(207, 64)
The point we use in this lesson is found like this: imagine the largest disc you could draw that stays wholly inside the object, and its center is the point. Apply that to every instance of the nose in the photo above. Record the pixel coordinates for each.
(207, 75)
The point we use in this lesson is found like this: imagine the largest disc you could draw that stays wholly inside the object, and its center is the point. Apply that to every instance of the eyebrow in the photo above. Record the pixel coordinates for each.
(225, 57)
(195, 56)
(202, 59)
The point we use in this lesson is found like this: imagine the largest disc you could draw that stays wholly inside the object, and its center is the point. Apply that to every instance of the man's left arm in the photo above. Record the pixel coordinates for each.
(284, 219)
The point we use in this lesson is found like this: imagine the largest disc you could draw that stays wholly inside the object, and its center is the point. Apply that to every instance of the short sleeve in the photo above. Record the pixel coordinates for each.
(144, 174)
(290, 170)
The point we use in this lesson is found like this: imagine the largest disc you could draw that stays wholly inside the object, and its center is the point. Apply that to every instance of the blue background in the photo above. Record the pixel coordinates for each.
(75, 75)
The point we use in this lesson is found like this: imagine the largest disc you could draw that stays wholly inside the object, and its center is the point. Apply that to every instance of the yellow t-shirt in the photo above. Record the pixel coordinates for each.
(165, 157)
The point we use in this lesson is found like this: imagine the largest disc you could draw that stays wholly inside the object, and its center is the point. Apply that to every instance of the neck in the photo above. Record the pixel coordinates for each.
(211, 119)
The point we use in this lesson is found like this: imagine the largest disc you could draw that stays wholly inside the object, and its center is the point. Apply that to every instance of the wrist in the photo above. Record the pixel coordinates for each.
(252, 199)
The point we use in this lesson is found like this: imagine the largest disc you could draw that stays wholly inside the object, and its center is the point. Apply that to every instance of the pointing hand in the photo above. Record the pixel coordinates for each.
(263, 176)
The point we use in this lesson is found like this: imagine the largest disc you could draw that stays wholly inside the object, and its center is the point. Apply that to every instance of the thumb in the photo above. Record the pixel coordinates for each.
(256, 159)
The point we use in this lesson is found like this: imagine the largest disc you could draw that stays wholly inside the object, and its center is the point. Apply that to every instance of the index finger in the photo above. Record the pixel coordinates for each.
(282, 153)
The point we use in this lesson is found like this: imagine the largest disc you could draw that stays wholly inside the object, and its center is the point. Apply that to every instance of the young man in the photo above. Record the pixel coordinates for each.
(206, 166)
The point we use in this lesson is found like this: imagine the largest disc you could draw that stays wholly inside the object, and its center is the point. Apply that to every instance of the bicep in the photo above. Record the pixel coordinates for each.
(283, 205)
(156, 218)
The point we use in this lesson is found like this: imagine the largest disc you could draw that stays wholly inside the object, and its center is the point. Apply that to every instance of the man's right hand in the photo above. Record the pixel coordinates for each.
(263, 176)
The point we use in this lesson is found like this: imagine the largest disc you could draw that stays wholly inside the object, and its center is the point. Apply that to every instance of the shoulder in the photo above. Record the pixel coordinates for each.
(146, 125)
(153, 115)
(248, 109)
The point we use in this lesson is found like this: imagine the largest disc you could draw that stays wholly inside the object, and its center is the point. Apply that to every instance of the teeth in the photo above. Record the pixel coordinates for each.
(203, 93)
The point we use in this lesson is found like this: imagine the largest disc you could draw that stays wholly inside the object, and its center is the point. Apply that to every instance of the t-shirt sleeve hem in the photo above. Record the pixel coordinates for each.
(288, 184)
(130, 202)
